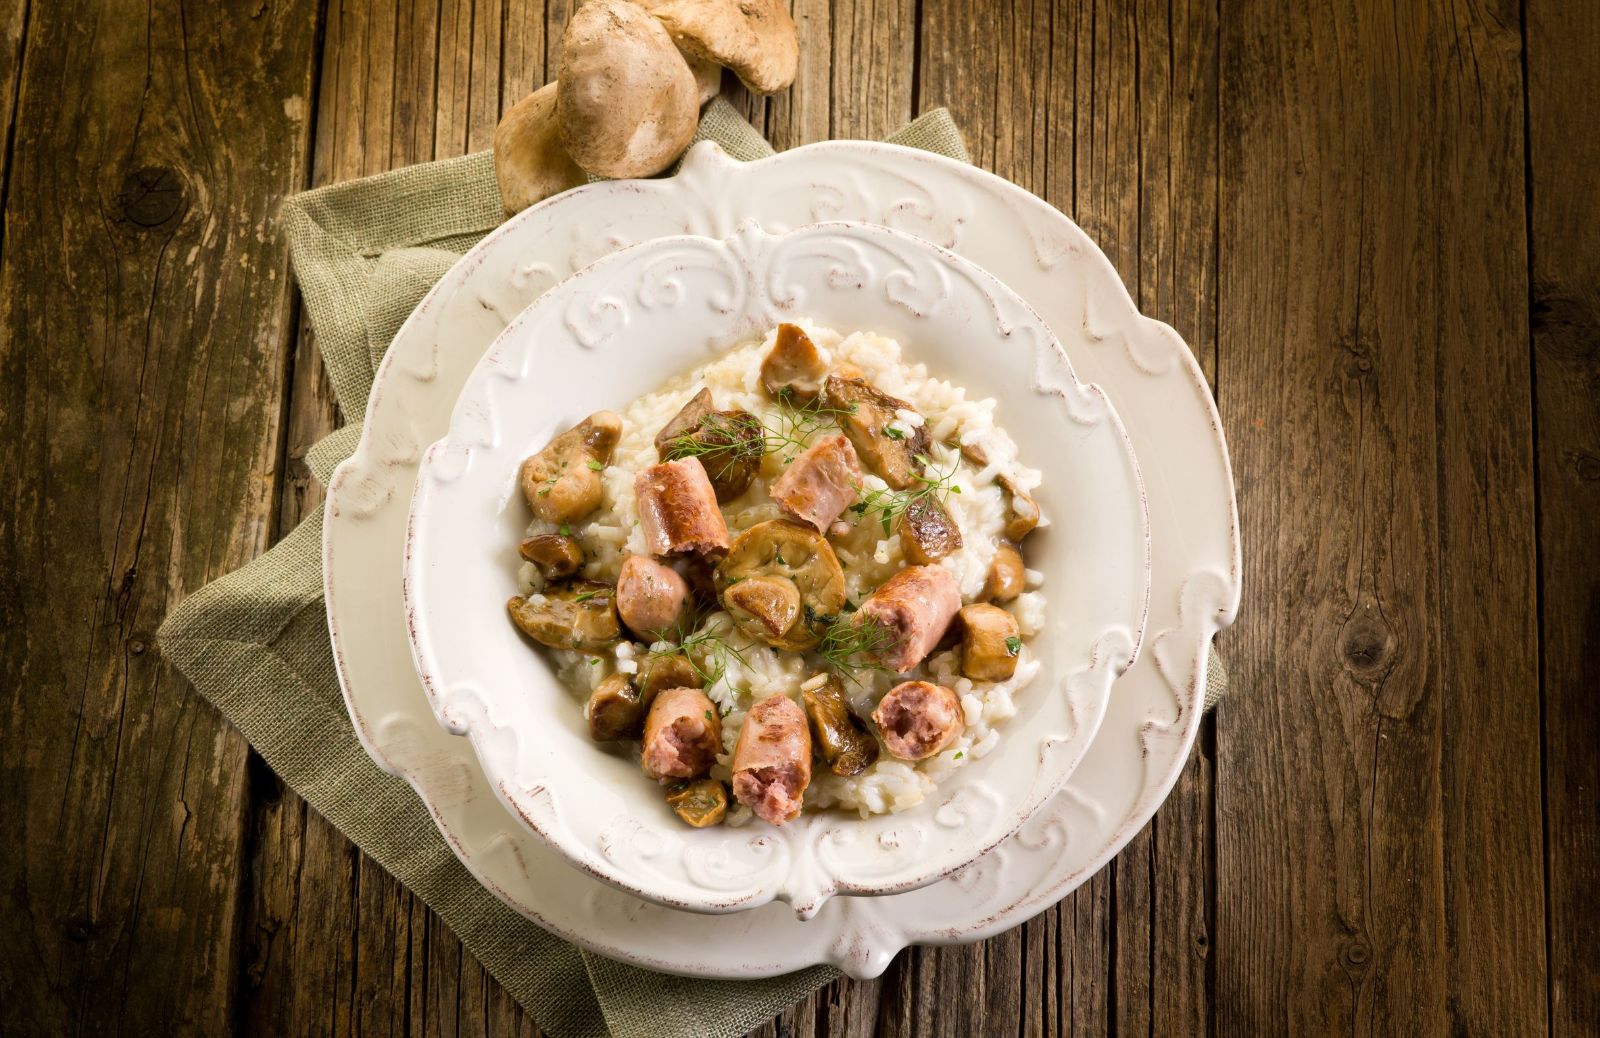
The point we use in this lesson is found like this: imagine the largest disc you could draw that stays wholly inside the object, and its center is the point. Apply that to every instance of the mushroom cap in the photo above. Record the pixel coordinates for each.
(627, 101)
(755, 38)
(529, 162)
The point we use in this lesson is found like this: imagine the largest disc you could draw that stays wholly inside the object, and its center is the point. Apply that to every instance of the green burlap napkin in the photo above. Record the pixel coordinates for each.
(255, 643)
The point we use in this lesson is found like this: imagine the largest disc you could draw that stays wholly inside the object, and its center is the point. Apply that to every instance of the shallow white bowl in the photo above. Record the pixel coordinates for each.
(620, 328)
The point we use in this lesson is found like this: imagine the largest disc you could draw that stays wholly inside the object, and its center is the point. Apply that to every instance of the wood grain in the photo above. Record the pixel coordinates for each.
(1564, 249)
(1378, 798)
(146, 322)
(1373, 223)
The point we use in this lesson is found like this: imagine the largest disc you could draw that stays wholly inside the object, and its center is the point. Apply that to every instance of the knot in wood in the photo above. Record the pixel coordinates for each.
(151, 196)
(1355, 955)
(1367, 641)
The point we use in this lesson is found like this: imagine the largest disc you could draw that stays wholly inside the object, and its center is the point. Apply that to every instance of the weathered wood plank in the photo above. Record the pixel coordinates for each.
(145, 327)
(1378, 805)
(1563, 104)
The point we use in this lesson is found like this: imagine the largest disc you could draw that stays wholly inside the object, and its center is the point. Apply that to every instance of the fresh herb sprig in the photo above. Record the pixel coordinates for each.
(707, 651)
(888, 505)
(854, 643)
(725, 440)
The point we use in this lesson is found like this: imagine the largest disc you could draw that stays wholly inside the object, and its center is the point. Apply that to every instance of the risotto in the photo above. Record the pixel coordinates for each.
(794, 574)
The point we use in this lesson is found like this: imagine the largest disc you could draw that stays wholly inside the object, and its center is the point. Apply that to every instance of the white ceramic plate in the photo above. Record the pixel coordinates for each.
(1143, 366)
(620, 329)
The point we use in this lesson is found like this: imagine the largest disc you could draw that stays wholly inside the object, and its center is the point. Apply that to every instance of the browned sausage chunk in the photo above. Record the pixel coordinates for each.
(819, 484)
(989, 643)
(650, 596)
(913, 607)
(927, 532)
(678, 510)
(918, 719)
(772, 760)
(793, 368)
(682, 734)
(562, 482)
(1007, 574)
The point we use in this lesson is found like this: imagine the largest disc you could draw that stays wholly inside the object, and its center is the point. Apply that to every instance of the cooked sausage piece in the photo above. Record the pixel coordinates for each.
(678, 510)
(682, 734)
(819, 484)
(793, 368)
(1007, 574)
(868, 416)
(913, 607)
(614, 710)
(562, 482)
(650, 597)
(918, 719)
(989, 643)
(772, 760)
(927, 532)
(557, 557)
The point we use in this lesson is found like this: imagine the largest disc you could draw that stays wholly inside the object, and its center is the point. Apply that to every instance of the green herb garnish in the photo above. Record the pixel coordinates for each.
(596, 466)
(889, 505)
(853, 643)
(1013, 645)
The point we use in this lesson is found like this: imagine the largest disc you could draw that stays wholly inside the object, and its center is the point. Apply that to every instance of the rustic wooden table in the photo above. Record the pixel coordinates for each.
(1376, 225)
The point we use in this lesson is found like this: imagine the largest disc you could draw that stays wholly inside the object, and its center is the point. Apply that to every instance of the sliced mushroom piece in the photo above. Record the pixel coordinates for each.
(678, 510)
(840, 740)
(673, 670)
(927, 532)
(615, 710)
(729, 444)
(785, 552)
(1022, 512)
(627, 101)
(794, 368)
(562, 482)
(820, 484)
(699, 804)
(530, 164)
(868, 417)
(556, 556)
(1008, 576)
(580, 617)
(650, 597)
(773, 603)
(990, 644)
(757, 39)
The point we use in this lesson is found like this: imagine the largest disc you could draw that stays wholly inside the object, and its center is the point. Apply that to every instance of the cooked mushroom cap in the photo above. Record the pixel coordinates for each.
(1022, 513)
(1007, 574)
(785, 552)
(699, 804)
(989, 643)
(755, 38)
(529, 162)
(580, 617)
(867, 413)
(771, 602)
(663, 672)
(615, 710)
(627, 101)
(729, 444)
(794, 367)
(556, 556)
(927, 532)
(841, 740)
(560, 482)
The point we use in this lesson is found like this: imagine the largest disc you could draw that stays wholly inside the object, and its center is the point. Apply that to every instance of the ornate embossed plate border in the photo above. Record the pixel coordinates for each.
(628, 323)
(1154, 709)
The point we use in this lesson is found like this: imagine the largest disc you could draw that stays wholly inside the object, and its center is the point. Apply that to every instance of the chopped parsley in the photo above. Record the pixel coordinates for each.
(893, 432)
(1013, 645)
(959, 754)
(596, 466)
